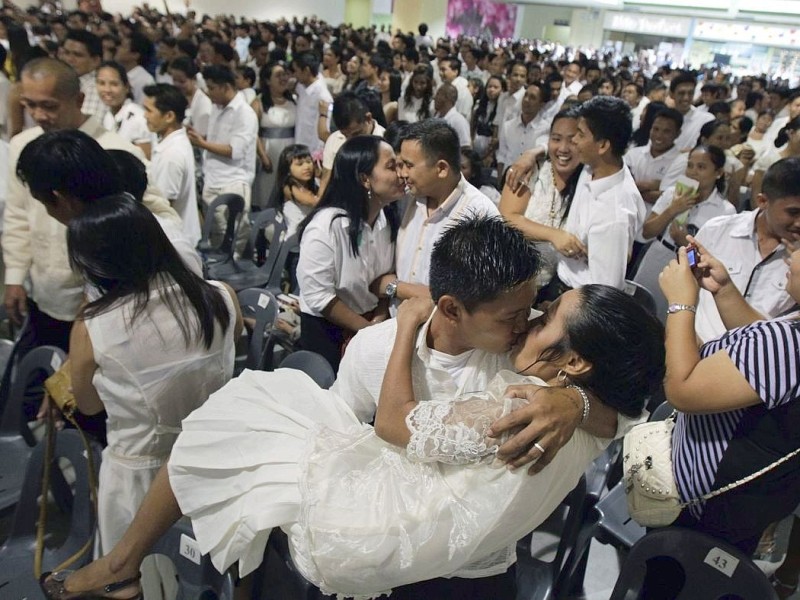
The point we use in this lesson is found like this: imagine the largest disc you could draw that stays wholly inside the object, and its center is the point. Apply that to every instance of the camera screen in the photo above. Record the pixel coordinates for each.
(691, 256)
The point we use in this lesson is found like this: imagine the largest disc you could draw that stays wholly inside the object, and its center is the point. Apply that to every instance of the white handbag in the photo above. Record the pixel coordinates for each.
(650, 488)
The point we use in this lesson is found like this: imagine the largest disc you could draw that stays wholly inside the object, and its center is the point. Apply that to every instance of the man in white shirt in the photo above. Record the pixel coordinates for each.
(431, 165)
(83, 51)
(572, 81)
(751, 248)
(353, 118)
(184, 77)
(34, 243)
(229, 159)
(449, 71)
(172, 159)
(607, 212)
(311, 89)
(528, 130)
(480, 313)
(793, 110)
(649, 163)
(444, 103)
(470, 69)
(508, 105)
(681, 89)
(633, 94)
(132, 53)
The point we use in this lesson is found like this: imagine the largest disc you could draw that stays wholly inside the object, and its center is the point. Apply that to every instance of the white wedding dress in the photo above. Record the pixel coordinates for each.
(362, 516)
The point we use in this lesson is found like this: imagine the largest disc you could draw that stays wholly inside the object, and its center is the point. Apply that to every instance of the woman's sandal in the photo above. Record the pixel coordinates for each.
(52, 585)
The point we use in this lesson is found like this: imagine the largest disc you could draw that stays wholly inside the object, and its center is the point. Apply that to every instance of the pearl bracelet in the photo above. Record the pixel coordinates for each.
(585, 398)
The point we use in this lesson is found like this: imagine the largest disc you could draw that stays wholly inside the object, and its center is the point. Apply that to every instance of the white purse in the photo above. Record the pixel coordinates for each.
(650, 488)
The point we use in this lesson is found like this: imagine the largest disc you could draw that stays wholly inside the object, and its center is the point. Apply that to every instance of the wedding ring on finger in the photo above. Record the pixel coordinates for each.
(539, 447)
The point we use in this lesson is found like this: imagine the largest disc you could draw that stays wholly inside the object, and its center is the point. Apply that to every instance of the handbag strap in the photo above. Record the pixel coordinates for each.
(48, 460)
(743, 480)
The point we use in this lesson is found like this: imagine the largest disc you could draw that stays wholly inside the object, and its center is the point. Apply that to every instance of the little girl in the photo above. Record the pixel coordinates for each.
(295, 191)
(680, 212)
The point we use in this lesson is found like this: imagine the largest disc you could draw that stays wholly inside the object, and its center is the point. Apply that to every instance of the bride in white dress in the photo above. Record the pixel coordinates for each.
(368, 509)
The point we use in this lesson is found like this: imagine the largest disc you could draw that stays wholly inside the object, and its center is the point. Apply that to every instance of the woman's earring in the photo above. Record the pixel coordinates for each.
(369, 193)
(562, 376)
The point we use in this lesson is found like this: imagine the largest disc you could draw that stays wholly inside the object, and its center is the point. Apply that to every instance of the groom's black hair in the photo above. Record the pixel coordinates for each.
(479, 258)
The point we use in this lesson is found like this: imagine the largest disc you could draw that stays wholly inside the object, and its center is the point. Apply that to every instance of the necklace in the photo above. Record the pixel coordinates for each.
(553, 198)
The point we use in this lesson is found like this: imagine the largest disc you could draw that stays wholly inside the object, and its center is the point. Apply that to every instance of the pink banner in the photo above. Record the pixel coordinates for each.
(480, 18)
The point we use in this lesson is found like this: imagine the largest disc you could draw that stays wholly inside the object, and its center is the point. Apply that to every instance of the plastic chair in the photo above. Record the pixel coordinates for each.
(642, 295)
(16, 555)
(224, 252)
(539, 579)
(606, 517)
(196, 576)
(312, 364)
(712, 568)
(261, 305)
(16, 439)
(244, 273)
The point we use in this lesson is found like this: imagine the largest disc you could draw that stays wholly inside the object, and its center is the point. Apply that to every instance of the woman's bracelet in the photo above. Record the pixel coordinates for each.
(585, 398)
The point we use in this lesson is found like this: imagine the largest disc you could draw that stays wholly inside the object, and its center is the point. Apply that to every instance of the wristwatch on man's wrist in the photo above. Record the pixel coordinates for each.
(391, 290)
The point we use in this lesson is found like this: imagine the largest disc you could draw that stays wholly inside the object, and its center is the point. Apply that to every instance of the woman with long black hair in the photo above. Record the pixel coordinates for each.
(154, 341)
(346, 243)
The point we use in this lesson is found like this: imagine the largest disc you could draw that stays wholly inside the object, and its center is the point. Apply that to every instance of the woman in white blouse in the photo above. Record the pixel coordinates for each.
(123, 116)
(682, 211)
(540, 210)
(347, 243)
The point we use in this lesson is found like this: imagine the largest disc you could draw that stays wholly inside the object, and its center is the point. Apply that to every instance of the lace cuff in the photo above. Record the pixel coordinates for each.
(454, 432)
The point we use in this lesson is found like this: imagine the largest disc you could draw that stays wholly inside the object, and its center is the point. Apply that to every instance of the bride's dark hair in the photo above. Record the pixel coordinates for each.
(623, 342)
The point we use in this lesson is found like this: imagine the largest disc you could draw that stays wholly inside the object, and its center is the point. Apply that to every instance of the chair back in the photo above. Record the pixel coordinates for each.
(8, 358)
(261, 305)
(539, 579)
(615, 525)
(312, 364)
(664, 410)
(642, 295)
(44, 359)
(290, 245)
(196, 576)
(68, 445)
(235, 205)
(243, 273)
(712, 569)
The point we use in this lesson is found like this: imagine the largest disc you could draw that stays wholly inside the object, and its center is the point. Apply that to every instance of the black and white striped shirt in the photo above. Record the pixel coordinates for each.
(767, 353)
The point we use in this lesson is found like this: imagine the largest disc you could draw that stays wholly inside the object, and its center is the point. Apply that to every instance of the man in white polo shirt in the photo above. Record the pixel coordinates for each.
(750, 246)
(172, 159)
(229, 161)
(649, 163)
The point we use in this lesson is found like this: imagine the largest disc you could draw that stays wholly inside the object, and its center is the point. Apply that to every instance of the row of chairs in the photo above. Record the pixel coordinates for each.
(268, 234)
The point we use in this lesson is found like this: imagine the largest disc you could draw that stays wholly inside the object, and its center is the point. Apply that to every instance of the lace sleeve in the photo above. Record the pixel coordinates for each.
(454, 432)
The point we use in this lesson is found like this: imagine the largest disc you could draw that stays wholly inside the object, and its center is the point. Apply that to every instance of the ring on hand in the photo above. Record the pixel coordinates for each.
(539, 447)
